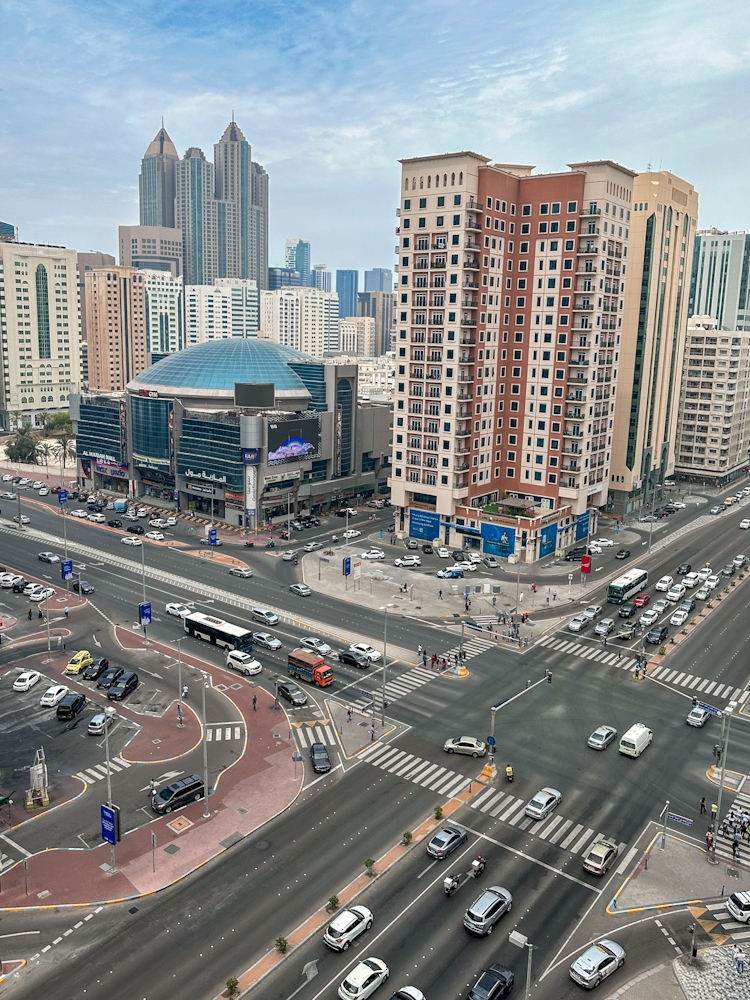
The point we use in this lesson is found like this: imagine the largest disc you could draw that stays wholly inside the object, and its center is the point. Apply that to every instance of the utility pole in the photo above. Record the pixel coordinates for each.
(206, 811)
(180, 723)
(109, 711)
(385, 661)
(726, 723)
(143, 572)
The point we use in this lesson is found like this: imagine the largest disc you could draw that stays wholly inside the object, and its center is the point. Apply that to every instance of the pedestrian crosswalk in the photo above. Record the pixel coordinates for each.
(700, 685)
(740, 803)
(99, 771)
(308, 733)
(586, 651)
(422, 772)
(223, 732)
(731, 927)
(398, 687)
(554, 829)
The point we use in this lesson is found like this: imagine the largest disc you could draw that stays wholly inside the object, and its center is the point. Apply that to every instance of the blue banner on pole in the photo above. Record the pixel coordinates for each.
(347, 565)
(62, 496)
(145, 613)
(424, 524)
(212, 536)
(547, 540)
(109, 825)
(582, 526)
(498, 540)
(67, 569)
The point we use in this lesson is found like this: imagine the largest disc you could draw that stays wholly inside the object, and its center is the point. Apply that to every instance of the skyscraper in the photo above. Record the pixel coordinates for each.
(283, 277)
(154, 247)
(260, 230)
(379, 279)
(301, 318)
(196, 216)
(116, 318)
(297, 257)
(156, 184)
(719, 283)
(321, 278)
(379, 305)
(347, 286)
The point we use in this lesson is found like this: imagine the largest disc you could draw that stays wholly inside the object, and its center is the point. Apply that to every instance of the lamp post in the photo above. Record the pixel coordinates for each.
(65, 535)
(109, 712)
(206, 811)
(726, 722)
(180, 723)
(143, 573)
(384, 609)
(521, 941)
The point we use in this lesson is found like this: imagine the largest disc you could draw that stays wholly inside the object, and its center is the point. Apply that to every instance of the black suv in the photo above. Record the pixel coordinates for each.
(657, 635)
(627, 610)
(122, 687)
(136, 529)
(109, 676)
(290, 691)
(354, 659)
(684, 569)
(95, 669)
(320, 760)
(71, 705)
(179, 793)
(20, 586)
(575, 555)
(495, 983)
(82, 587)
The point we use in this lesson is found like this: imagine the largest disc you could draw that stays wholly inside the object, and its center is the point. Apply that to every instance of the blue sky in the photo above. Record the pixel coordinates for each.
(331, 94)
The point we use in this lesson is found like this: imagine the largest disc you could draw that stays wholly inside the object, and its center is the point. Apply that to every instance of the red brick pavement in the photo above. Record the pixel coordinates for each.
(256, 787)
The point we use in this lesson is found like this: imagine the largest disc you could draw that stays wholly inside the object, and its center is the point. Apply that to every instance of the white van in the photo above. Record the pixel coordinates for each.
(267, 617)
(665, 583)
(635, 740)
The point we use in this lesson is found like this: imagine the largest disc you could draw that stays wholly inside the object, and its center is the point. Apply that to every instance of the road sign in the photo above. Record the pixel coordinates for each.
(712, 709)
(491, 740)
(67, 569)
(682, 820)
(212, 536)
(367, 694)
(62, 496)
(585, 564)
(347, 565)
(110, 824)
(145, 613)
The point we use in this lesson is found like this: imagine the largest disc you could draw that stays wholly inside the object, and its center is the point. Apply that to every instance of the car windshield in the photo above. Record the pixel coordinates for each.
(165, 794)
(485, 985)
(599, 734)
(538, 802)
(441, 838)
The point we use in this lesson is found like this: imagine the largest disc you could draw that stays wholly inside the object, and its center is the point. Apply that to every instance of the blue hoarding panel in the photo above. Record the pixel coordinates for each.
(547, 540)
(67, 569)
(498, 540)
(62, 496)
(424, 524)
(582, 526)
(145, 613)
(109, 829)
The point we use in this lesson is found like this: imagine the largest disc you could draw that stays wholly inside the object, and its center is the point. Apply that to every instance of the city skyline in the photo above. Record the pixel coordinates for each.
(331, 133)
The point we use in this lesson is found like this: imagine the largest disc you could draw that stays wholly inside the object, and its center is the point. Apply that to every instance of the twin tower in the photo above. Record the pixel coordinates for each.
(221, 208)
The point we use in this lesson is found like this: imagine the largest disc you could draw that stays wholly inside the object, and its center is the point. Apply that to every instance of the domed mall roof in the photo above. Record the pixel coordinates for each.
(211, 369)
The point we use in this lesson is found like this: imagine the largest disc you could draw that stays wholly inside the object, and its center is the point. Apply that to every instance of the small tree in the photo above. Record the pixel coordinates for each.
(407, 838)
(370, 866)
(438, 812)
(662, 650)
(282, 944)
(333, 903)
(44, 452)
(233, 985)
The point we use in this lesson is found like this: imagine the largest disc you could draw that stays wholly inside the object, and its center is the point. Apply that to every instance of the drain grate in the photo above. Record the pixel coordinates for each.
(171, 849)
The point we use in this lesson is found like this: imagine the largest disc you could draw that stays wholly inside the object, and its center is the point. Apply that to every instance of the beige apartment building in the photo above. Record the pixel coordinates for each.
(117, 326)
(358, 336)
(663, 227)
(507, 333)
(713, 417)
(156, 248)
(40, 342)
(304, 319)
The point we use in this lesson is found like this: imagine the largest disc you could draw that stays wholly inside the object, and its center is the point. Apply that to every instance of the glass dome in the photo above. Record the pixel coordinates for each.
(218, 364)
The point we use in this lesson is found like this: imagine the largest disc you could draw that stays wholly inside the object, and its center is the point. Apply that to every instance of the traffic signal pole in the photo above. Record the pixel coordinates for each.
(502, 704)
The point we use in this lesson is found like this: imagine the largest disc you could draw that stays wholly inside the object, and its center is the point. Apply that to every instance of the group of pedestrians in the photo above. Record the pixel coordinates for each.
(738, 958)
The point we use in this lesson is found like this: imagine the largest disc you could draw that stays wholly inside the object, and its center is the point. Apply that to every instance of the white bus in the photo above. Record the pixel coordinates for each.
(217, 631)
(627, 586)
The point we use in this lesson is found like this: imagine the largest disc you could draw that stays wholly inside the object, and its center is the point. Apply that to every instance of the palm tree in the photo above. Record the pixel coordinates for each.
(65, 449)
(45, 452)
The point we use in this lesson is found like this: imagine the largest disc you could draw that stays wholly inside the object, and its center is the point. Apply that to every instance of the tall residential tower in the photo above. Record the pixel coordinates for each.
(156, 184)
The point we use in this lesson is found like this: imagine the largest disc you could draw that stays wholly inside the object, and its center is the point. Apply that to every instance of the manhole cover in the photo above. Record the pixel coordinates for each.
(236, 687)
(733, 873)
(261, 845)
(221, 687)
(365, 724)
(133, 909)
(241, 810)
(171, 849)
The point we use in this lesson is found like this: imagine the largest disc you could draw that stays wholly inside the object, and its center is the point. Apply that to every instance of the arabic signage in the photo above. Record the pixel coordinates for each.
(251, 490)
(281, 477)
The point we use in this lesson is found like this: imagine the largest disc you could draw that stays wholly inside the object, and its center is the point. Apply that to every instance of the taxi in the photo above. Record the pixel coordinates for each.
(79, 661)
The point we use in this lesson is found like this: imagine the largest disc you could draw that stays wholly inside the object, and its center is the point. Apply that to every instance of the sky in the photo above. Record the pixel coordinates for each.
(331, 94)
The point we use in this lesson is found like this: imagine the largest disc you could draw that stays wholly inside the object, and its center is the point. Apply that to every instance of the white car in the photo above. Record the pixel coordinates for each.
(110, 505)
(745, 523)
(373, 554)
(155, 536)
(42, 594)
(677, 503)
(243, 571)
(78, 512)
(178, 610)
(131, 540)
(26, 680)
(703, 593)
(7, 477)
(44, 492)
(97, 518)
(53, 695)
(648, 618)
(312, 546)
(402, 561)
(157, 522)
(703, 574)
(364, 979)
(315, 644)
(351, 533)
(369, 651)
(23, 519)
(603, 542)
(713, 582)
(675, 593)
(467, 567)
(543, 803)
(9, 496)
(170, 521)
(595, 549)
(8, 580)
(142, 512)
(130, 516)
(679, 617)
(443, 553)
(346, 926)
(474, 557)
(37, 484)
(664, 584)
(243, 663)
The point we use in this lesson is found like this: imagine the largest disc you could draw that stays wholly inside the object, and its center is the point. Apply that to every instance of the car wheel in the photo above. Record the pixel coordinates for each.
(475, 754)
(168, 809)
(510, 907)
(621, 963)
(246, 672)
(489, 929)
(345, 946)
(198, 797)
(598, 981)
(368, 925)
(450, 749)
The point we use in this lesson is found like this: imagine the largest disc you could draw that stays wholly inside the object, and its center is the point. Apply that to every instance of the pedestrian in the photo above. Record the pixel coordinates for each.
(255, 704)
(440, 594)
(619, 654)
(740, 961)
(494, 601)
(434, 657)
(67, 609)
(725, 829)
(713, 810)
(709, 840)
(184, 690)
(151, 788)
(349, 714)
(424, 659)
(703, 805)
(419, 650)
(734, 850)
(605, 642)
(554, 595)
(40, 613)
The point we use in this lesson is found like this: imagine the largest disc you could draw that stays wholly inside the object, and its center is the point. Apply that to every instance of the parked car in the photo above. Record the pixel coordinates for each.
(95, 669)
(122, 686)
(108, 677)
(490, 562)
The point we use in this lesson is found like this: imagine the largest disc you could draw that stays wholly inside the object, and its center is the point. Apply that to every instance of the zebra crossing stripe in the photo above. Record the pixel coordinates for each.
(499, 804)
(697, 679)
(492, 801)
(711, 686)
(394, 761)
(598, 837)
(526, 821)
(402, 765)
(573, 833)
(580, 842)
(514, 806)
(678, 679)
(558, 833)
(736, 694)
(381, 751)
(743, 697)
(420, 767)
(550, 827)
(453, 779)
(434, 779)
(703, 685)
(626, 860)
(94, 774)
(424, 777)
(483, 796)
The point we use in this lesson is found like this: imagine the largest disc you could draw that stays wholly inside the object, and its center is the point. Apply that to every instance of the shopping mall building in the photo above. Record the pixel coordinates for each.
(243, 430)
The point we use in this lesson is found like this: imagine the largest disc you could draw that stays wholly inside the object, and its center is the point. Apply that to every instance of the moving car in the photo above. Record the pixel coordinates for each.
(728, 570)
(97, 518)
(675, 593)
(704, 573)
(122, 686)
(82, 587)
(157, 522)
(600, 857)
(289, 555)
(78, 661)
(627, 610)
(698, 717)
(316, 645)
(136, 529)
(346, 926)
(485, 911)
(648, 617)
(543, 803)
(321, 762)
(592, 611)
(130, 540)
(346, 510)
(23, 519)
(155, 536)
(657, 635)
(738, 905)
(465, 744)
(373, 554)
(641, 600)
(490, 562)
(206, 541)
(690, 580)
(48, 557)
(354, 658)
(450, 573)
(404, 561)
(687, 604)
(601, 737)
(26, 680)
(603, 542)
(739, 561)
(313, 546)
(605, 626)
(596, 963)
(95, 669)
(683, 569)
(242, 571)
(178, 610)
(713, 582)
(369, 651)
(625, 631)
(179, 793)
(352, 533)
(446, 841)
(622, 554)
(267, 640)
(664, 583)
(679, 617)
(495, 983)
(745, 523)
(467, 566)
(243, 663)
(364, 979)
(290, 691)
(579, 623)
(300, 589)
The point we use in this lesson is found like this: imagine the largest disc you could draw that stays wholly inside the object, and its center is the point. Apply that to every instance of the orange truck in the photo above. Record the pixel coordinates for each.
(309, 667)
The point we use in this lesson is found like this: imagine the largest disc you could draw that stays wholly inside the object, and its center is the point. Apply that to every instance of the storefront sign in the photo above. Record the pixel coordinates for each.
(150, 393)
(498, 540)
(207, 491)
(250, 456)
(151, 463)
(235, 501)
(251, 490)
(105, 469)
(547, 540)
(210, 477)
(281, 477)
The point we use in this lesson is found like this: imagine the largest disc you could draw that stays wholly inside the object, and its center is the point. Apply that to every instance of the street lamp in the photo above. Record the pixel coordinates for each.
(180, 723)
(205, 684)
(109, 713)
(384, 609)
(726, 722)
(521, 941)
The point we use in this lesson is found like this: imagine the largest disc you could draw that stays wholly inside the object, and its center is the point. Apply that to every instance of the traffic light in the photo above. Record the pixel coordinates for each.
(549, 676)
(695, 701)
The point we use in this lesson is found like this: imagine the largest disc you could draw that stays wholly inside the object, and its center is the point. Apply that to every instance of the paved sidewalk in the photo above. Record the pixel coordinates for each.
(356, 733)
(712, 977)
(658, 982)
(255, 788)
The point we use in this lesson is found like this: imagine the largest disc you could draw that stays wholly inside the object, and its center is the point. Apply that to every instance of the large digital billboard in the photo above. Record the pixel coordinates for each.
(293, 440)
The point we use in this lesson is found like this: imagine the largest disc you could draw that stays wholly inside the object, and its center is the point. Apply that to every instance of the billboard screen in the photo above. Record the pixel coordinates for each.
(256, 394)
(547, 540)
(293, 440)
(424, 524)
(498, 540)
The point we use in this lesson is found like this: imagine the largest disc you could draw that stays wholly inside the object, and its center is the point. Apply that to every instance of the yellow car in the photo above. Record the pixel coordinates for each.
(78, 662)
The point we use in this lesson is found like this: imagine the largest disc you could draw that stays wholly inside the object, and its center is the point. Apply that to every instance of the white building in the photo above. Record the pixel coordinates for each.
(713, 420)
(321, 278)
(357, 335)
(40, 328)
(302, 318)
(164, 312)
(227, 308)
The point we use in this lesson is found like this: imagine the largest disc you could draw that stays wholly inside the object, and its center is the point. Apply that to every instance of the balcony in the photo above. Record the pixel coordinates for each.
(470, 303)
(573, 434)
(591, 231)
(465, 340)
(470, 224)
(464, 432)
(462, 467)
(574, 415)
(472, 265)
(571, 451)
(440, 246)
(467, 359)
(471, 284)
(472, 245)
(589, 248)
(463, 396)
(465, 378)
(463, 450)
(577, 378)
(584, 307)
(587, 270)
(437, 264)
(590, 212)
(577, 363)
(468, 322)
(473, 206)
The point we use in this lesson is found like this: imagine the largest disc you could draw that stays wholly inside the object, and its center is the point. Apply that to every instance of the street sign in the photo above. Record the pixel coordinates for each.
(347, 565)
(712, 709)
(321, 559)
(212, 536)
(67, 569)
(62, 496)
(491, 740)
(585, 564)
(145, 613)
(110, 824)
(367, 694)
(682, 820)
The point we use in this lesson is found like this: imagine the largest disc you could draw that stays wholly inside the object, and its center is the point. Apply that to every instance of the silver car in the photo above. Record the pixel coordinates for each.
(316, 645)
(242, 571)
(465, 744)
(485, 912)
(346, 926)
(579, 623)
(602, 737)
(593, 611)
(543, 803)
(596, 963)
(605, 626)
(698, 717)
